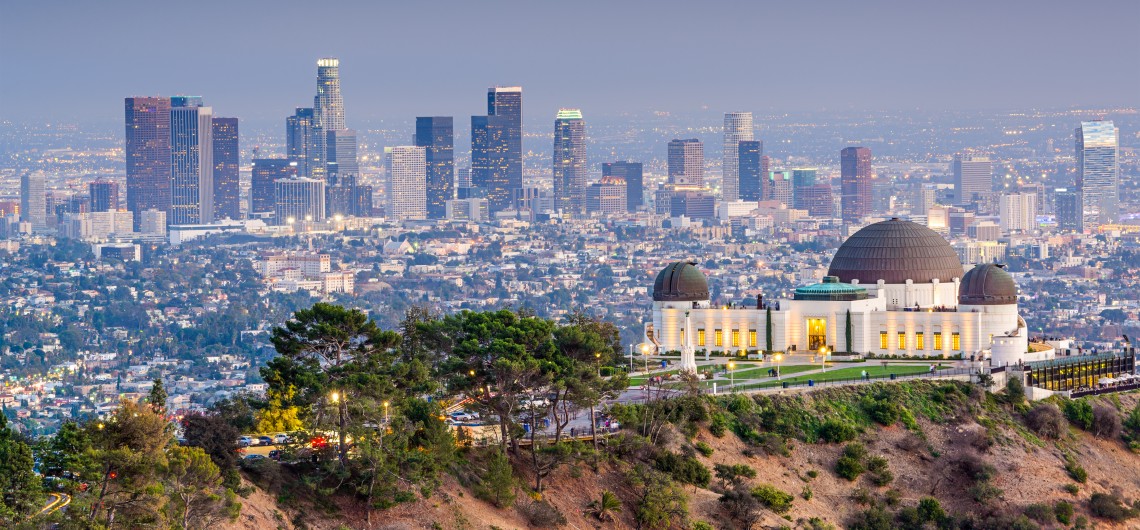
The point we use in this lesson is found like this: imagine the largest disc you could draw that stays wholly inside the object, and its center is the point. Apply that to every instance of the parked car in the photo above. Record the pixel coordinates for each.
(265, 440)
(244, 441)
(280, 439)
(534, 402)
(275, 454)
(255, 457)
(465, 415)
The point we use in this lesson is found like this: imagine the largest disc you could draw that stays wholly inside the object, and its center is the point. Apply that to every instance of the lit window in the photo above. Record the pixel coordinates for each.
(718, 337)
(883, 340)
(752, 338)
(956, 341)
(736, 338)
(920, 341)
(938, 341)
(902, 340)
(701, 337)
(682, 336)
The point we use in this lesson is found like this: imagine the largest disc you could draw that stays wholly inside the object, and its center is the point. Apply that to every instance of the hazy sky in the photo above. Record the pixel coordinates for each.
(76, 60)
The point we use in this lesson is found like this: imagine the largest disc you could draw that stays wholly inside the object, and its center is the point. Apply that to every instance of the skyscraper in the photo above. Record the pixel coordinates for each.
(496, 147)
(687, 162)
(147, 155)
(191, 161)
(751, 170)
(1068, 207)
(570, 162)
(1018, 212)
(407, 182)
(855, 183)
(227, 193)
(973, 178)
(33, 200)
(1098, 172)
(104, 195)
(436, 135)
(265, 173)
(328, 105)
(341, 149)
(737, 128)
(631, 172)
(299, 146)
(299, 199)
(607, 196)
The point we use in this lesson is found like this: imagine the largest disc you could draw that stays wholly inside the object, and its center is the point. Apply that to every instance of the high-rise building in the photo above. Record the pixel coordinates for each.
(152, 223)
(855, 183)
(1098, 172)
(462, 178)
(496, 147)
(104, 195)
(227, 183)
(299, 145)
(973, 178)
(1018, 212)
(687, 162)
(692, 204)
(262, 189)
(147, 154)
(436, 134)
(816, 199)
(631, 173)
(780, 187)
(607, 196)
(191, 161)
(33, 200)
(1069, 209)
(298, 199)
(347, 198)
(737, 128)
(341, 154)
(570, 162)
(750, 170)
(406, 193)
(328, 105)
(467, 210)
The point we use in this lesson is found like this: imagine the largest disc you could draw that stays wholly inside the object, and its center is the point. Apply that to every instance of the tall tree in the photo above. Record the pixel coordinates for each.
(20, 488)
(157, 396)
(849, 334)
(193, 483)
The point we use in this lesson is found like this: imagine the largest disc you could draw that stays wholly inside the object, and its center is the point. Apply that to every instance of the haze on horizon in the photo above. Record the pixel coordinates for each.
(76, 61)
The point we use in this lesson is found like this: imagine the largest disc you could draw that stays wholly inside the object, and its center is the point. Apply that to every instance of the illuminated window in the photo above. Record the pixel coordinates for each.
(902, 340)
(956, 341)
(920, 341)
(938, 341)
(736, 338)
(718, 337)
(752, 338)
(682, 336)
(701, 337)
(883, 340)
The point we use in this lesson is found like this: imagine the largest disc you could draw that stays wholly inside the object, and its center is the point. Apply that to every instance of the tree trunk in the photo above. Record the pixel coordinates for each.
(343, 406)
(594, 431)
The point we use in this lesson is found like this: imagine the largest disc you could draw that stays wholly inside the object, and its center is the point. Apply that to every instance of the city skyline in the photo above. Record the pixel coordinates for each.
(898, 48)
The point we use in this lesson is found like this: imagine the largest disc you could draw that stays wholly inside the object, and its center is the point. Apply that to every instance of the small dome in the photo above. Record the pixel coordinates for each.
(895, 251)
(831, 289)
(680, 282)
(987, 284)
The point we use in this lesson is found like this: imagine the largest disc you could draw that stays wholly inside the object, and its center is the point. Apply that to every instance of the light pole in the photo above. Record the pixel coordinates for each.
(645, 356)
(779, 357)
(731, 380)
(631, 358)
(385, 412)
(823, 351)
(598, 362)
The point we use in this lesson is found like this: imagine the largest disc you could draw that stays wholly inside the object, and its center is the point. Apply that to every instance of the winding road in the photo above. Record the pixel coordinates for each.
(55, 502)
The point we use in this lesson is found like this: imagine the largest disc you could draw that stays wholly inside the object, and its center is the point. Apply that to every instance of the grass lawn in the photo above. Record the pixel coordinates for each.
(849, 373)
(756, 373)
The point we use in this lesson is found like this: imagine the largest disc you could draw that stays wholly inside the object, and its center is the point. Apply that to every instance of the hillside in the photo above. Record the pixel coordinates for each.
(970, 450)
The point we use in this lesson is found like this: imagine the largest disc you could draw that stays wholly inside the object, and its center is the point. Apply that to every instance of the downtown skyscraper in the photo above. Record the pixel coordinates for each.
(1098, 172)
(301, 144)
(631, 172)
(407, 182)
(227, 193)
(570, 162)
(855, 184)
(737, 128)
(147, 155)
(752, 169)
(191, 161)
(496, 147)
(33, 201)
(687, 162)
(328, 105)
(973, 179)
(104, 195)
(436, 134)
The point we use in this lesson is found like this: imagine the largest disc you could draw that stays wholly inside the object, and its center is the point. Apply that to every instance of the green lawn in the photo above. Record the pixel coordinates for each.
(757, 373)
(848, 373)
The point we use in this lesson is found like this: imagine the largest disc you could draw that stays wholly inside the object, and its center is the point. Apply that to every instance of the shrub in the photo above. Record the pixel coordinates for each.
(930, 510)
(812, 473)
(718, 425)
(1042, 513)
(1063, 511)
(701, 525)
(880, 470)
(1079, 413)
(772, 498)
(806, 493)
(1109, 506)
(497, 483)
(1014, 391)
(732, 474)
(1072, 489)
(685, 469)
(704, 449)
(1076, 472)
(883, 411)
(815, 523)
(542, 514)
(973, 467)
(836, 431)
(862, 497)
(874, 518)
(1047, 421)
(1133, 421)
(984, 492)
(893, 497)
(1106, 422)
(849, 468)
(741, 506)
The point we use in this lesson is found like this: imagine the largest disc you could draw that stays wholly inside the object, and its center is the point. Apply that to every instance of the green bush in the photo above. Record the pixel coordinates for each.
(704, 449)
(880, 471)
(1063, 511)
(850, 465)
(1014, 391)
(701, 525)
(1047, 421)
(806, 493)
(882, 411)
(772, 498)
(497, 482)
(874, 518)
(718, 424)
(1080, 413)
(984, 492)
(685, 469)
(1076, 472)
(1042, 513)
(836, 431)
(1111, 507)
(1072, 489)
(930, 510)
(732, 474)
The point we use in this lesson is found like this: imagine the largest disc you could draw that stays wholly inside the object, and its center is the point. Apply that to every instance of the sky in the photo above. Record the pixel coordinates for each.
(75, 61)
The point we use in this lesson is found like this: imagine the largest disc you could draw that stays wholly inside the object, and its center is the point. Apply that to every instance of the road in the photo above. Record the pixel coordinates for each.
(55, 502)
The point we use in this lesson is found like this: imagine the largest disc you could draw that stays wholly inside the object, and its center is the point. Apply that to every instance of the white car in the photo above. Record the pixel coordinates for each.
(280, 439)
(465, 415)
(535, 402)
(245, 441)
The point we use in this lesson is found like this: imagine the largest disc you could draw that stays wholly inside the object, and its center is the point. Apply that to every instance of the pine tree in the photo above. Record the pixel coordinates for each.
(157, 397)
(768, 330)
(850, 331)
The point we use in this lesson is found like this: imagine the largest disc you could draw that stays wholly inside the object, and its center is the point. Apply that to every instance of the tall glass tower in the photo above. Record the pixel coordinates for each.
(570, 162)
(436, 135)
(147, 155)
(737, 128)
(299, 143)
(496, 147)
(855, 183)
(227, 195)
(750, 166)
(191, 161)
(1098, 175)
(328, 105)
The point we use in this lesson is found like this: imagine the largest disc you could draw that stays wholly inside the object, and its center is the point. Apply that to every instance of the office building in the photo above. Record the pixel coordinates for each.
(191, 161)
(299, 144)
(147, 154)
(298, 199)
(496, 147)
(687, 162)
(263, 177)
(570, 162)
(436, 134)
(474, 209)
(737, 128)
(152, 223)
(347, 198)
(692, 204)
(1017, 212)
(780, 187)
(1098, 172)
(341, 158)
(462, 178)
(973, 179)
(631, 173)
(606, 196)
(406, 193)
(328, 105)
(818, 200)
(1069, 209)
(855, 183)
(33, 201)
(751, 170)
(227, 183)
(104, 195)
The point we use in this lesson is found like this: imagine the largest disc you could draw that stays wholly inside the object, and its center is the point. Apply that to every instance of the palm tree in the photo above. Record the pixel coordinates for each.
(604, 507)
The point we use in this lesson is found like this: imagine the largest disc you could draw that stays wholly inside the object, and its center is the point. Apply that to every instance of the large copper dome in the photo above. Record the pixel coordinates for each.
(680, 282)
(895, 251)
(987, 284)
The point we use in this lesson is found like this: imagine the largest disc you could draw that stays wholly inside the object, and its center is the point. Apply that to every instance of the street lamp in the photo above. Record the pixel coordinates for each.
(823, 351)
(598, 362)
(645, 355)
(335, 397)
(731, 380)
(779, 357)
(385, 412)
